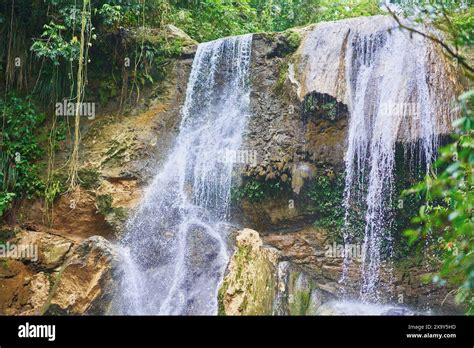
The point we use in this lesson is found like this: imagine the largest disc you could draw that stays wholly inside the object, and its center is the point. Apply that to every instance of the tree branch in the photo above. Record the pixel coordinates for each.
(460, 59)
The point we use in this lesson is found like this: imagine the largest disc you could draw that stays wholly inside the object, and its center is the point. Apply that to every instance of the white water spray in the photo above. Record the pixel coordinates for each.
(174, 251)
(389, 99)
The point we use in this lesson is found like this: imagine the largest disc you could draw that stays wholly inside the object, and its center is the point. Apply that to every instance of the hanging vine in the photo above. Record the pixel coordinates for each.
(84, 43)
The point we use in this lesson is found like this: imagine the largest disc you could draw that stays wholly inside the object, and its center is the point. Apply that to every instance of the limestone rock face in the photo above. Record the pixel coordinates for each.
(283, 130)
(292, 274)
(327, 62)
(35, 294)
(175, 32)
(26, 275)
(28, 295)
(259, 282)
(86, 282)
(301, 100)
(52, 250)
(249, 286)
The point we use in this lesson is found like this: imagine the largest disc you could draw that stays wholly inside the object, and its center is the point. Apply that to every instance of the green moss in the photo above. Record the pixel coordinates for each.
(4, 264)
(242, 257)
(300, 302)
(220, 299)
(293, 39)
(120, 213)
(282, 76)
(115, 216)
(104, 204)
(262, 288)
(326, 194)
(252, 282)
(256, 190)
(89, 178)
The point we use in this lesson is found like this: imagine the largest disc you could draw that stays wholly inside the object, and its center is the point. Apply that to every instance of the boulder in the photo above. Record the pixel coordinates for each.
(51, 249)
(249, 285)
(87, 281)
(259, 281)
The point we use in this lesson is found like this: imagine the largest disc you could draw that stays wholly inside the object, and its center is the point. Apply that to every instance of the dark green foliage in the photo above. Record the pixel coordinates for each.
(317, 106)
(19, 150)
(255, 190)
(332, 10)
(104, 204)
(134, 30)
(89, 178)
(326, 193)
(279, 15)
(294, 40)
(447, 216)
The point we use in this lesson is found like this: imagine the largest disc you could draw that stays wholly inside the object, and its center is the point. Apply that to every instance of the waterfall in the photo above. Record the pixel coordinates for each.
(389, 99)
(398, 88)
(174, 251)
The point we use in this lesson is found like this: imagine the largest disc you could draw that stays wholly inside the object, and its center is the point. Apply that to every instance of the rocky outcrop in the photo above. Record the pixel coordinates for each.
(298, 274)
(300, 105)
(30, 267)
(259, 281)
(302, 93)
(120, 151)
(300, 118)
(249, 286)
(284, 131)
(28, 292)
(52, 249)
(327, 62)
(86, 283)
(54, 275)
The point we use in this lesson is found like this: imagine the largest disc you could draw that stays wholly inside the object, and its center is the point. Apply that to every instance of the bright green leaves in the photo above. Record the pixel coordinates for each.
(54, 46)
(448, 212)
(19, 150)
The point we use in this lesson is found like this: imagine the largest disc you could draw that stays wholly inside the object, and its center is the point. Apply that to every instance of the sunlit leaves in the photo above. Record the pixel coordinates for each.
(449, 207)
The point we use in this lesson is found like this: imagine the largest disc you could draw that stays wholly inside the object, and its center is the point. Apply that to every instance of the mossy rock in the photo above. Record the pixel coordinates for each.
(89, 178)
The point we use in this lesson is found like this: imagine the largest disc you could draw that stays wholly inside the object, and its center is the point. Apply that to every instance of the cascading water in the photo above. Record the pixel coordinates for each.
(389, 98)
(175, 251)
(397, 88)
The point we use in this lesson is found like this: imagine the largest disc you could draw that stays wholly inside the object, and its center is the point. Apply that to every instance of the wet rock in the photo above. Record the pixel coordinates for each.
(33, 296)
(14, 276)
(87, 281)
(250, 282)
(51, 250)
(398, 311)
(175, 32)
(331, 72)
(259, 281)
